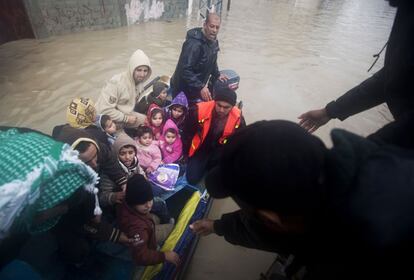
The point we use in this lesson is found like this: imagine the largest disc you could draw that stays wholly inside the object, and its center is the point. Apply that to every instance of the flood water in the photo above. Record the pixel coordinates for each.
(292, 56)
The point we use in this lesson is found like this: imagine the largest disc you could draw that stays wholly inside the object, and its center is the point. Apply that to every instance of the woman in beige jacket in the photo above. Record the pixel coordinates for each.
(122, 91)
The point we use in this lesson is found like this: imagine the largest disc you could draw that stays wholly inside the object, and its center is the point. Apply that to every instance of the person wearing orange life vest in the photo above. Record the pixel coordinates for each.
(206, 131)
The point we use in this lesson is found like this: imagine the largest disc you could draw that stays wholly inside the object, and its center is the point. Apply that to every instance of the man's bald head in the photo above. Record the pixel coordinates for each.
(211, 26)
(212, 17)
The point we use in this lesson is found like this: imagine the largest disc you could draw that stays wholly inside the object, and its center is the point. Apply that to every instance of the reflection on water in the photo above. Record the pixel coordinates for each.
(292, 56)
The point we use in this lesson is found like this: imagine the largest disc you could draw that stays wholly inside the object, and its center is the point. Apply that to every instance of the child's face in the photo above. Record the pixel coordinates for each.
(126, 155)
(163, 95)
(170, 137)
(110, 127)
(144, 208)
(156, 120)
(177, 112)
(145, 139)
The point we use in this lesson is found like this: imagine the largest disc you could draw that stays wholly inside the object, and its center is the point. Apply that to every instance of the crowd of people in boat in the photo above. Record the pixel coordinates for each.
(125, 137)
(343, 212)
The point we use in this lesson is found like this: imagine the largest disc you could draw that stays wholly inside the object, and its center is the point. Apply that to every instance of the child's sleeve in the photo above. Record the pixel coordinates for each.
(141, 253)
(106, 190)
(156, 157)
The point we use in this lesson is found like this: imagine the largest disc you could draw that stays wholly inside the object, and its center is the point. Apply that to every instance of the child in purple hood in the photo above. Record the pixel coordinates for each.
(178, 110)
(170, 143)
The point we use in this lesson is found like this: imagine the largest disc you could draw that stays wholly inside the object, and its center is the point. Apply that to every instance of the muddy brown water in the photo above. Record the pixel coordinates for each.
(292, 56)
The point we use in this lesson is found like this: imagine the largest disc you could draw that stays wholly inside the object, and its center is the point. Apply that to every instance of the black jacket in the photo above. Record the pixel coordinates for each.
(198, 60)
(394, 83)
(364, 227)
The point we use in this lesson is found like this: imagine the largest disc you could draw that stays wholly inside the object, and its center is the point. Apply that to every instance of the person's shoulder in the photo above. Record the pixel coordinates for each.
(195, 34)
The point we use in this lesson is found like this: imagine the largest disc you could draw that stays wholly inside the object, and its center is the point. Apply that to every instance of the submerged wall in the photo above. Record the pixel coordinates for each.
(56, 17)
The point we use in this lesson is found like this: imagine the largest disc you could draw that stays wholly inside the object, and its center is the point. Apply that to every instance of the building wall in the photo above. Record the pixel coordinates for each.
(56, 17)
(14, 22)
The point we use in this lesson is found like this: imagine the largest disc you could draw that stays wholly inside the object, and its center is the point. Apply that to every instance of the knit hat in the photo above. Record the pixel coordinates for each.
(226, 95)
(157, 88)
(274, 165)
(81, 112)
(36, 174)
(165, 79)
(138, 191)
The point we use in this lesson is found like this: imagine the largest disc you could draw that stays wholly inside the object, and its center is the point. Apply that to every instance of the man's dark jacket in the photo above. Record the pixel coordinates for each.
(198, 60)
(394, 83)
(362, 229)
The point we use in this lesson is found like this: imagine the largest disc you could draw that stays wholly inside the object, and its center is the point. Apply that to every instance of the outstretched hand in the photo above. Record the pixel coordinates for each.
(172, 257)
(203, 227)
(314, 119)
(223, 78)
(205, 94)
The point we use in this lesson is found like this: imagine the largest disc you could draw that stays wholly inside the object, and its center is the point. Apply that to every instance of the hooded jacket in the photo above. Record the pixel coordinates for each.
(132, 223)
(180, 100)
(120, 94)
(198, 60)
(171, 152)
(156, 130)
(149, 156)
(392, 84)
(121, 141)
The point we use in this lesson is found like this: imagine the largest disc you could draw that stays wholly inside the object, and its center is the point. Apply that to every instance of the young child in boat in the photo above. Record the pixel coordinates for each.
(170, 143)
(148, 153)
(158, 96)
(177, 111)
(107, 125)
(136, 220)
(155, 120)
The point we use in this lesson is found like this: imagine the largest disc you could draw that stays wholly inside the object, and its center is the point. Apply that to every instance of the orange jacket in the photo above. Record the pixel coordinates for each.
(205, 111)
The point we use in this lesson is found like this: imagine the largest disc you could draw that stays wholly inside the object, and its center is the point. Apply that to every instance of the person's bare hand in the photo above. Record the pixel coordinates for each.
(172, 257)
(132, 119)
(223, 78)
(130, 241)
(314, 119)
(205, 94)
(203, 227)
(149, 170)
(118, 197)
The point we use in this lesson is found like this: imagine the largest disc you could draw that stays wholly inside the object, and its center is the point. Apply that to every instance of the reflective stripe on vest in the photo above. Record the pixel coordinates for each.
(205, 111)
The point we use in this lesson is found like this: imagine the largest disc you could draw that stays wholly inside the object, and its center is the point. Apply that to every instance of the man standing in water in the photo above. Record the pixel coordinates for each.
(198, 62)
(393, 84)
(123, 90)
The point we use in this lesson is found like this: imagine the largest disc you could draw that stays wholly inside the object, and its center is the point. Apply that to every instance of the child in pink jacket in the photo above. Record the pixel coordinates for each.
(170, 143)
(148, 153)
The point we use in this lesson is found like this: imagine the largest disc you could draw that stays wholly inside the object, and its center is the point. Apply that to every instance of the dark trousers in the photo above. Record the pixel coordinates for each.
(199, 164)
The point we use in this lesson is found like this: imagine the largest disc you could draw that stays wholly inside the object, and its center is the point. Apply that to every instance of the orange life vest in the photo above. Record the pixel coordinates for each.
(205, 111)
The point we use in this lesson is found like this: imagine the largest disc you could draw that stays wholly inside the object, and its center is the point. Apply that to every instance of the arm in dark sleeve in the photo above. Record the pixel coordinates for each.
(190, 128)
(189, 61)
(399, 133)
(242, 122)
(236, 229)
(240, 228)
(142, 253)
(366, 95)
(110, 167)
